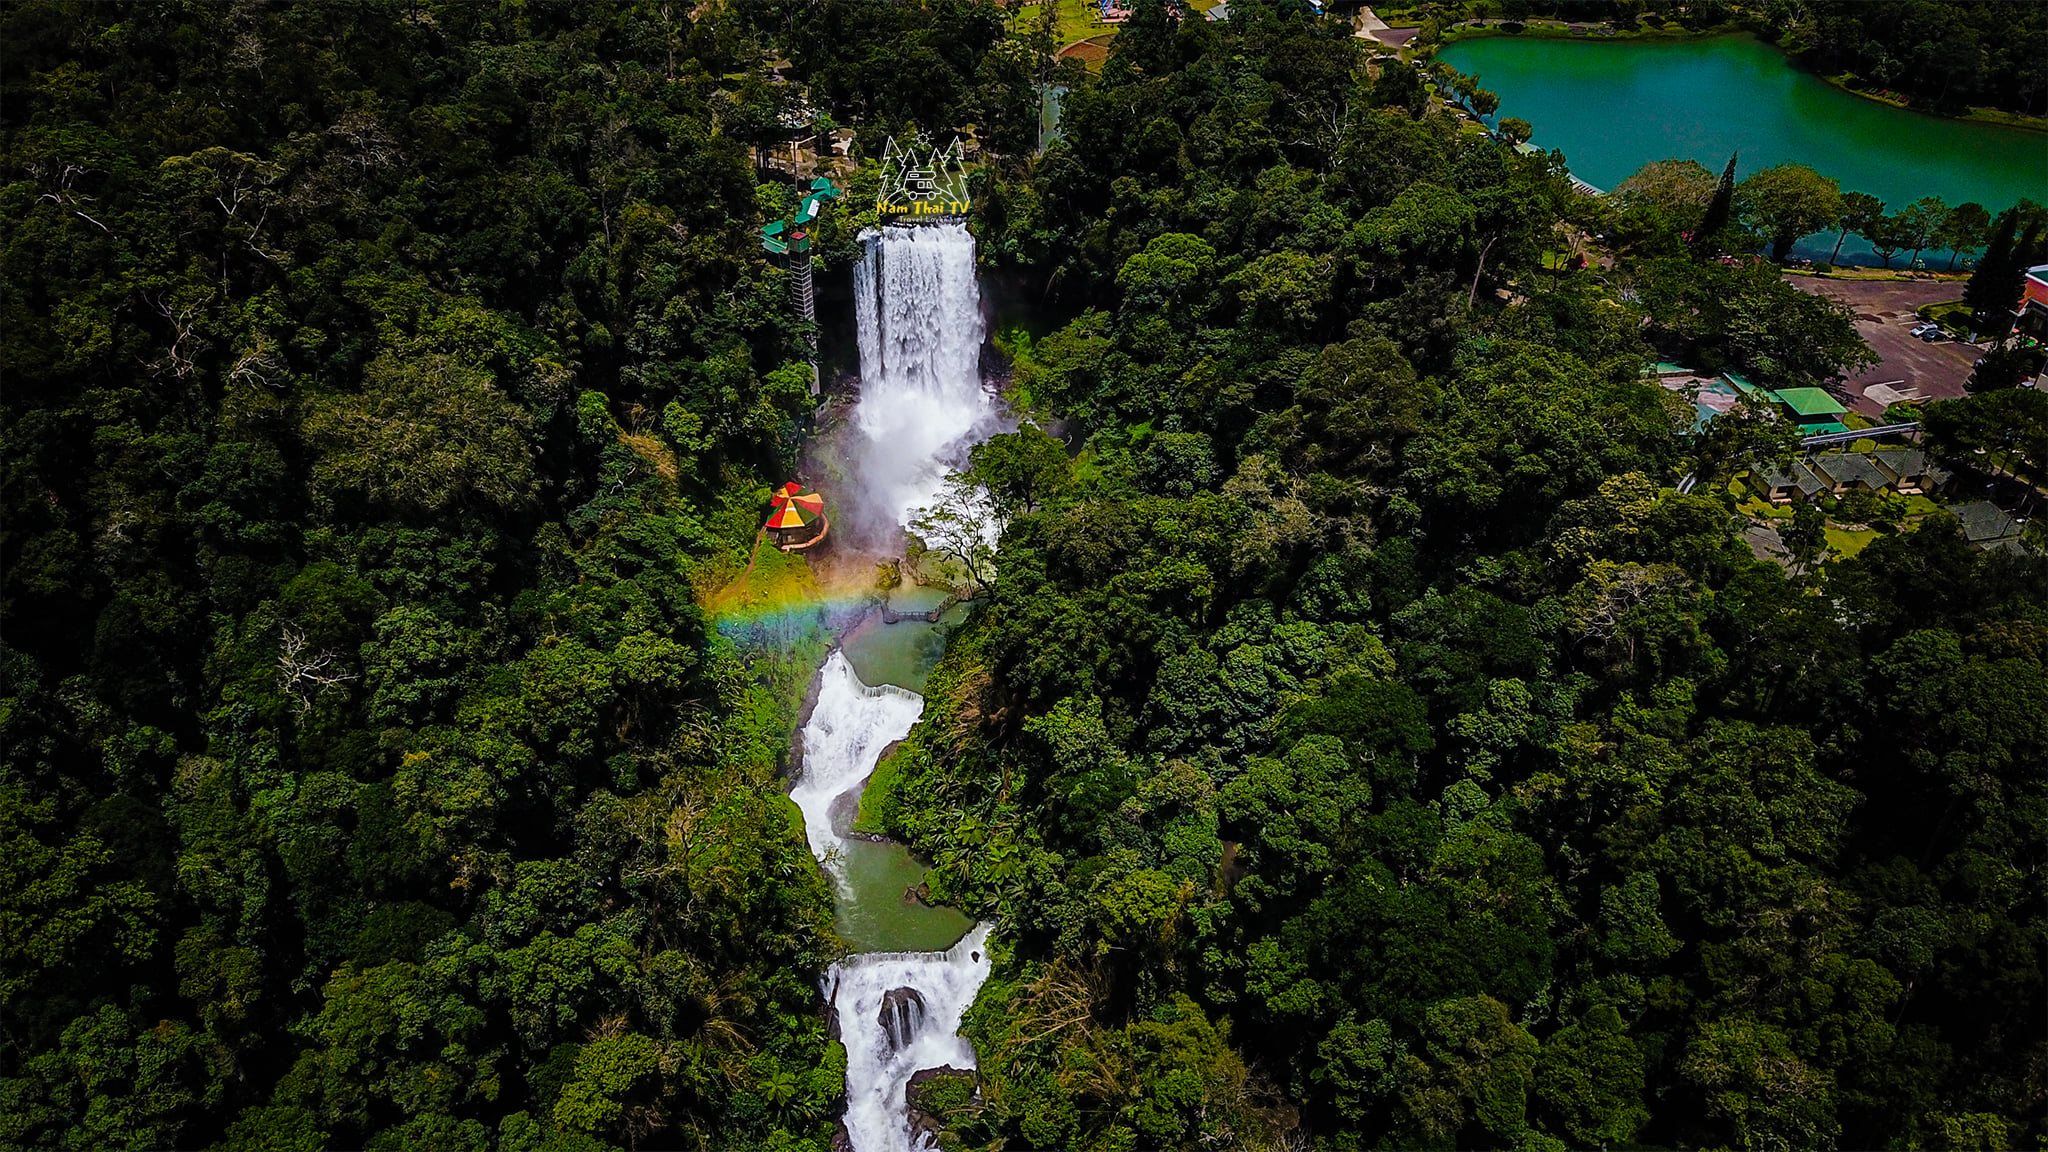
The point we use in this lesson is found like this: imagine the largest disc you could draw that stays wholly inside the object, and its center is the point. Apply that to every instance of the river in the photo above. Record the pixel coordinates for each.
(1612, 106)
(898, 1001)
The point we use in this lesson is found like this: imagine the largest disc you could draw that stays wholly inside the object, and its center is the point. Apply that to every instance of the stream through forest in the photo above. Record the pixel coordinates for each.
(898, 1002)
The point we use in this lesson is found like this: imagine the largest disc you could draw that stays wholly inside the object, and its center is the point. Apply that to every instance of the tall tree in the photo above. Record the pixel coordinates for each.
(1719, 209)
(1962, 230)
(1145, 43)
(1787, 201)
(1920, 222)
(1858, 210)
(1995, 285)
(1887, 234)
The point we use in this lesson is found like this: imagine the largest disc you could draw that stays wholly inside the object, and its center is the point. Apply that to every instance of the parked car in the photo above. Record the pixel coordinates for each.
(1934, 334)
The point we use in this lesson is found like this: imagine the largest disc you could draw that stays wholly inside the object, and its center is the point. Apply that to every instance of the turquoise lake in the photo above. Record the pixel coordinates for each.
(1613, 106)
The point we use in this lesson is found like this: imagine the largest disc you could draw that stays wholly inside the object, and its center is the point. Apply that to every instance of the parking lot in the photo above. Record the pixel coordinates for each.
(1908, 368)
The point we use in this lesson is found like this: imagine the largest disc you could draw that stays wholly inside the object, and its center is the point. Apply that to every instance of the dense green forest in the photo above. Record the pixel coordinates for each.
(1365, 739)
(378, 378)
(1361, 743)
(1945, 56)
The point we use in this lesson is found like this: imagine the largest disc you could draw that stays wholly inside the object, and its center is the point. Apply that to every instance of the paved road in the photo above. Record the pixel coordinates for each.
(1908, 368)
(1764, 544)
(1370, 27)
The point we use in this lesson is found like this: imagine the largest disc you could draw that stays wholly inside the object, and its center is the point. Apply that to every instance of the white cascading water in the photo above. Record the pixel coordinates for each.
(848, 730)
(917, 306)
(919, 316)
(900, 1012)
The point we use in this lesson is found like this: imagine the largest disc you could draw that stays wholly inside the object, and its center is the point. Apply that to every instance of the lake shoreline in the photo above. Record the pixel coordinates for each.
(1545, 30)
(1611, 109)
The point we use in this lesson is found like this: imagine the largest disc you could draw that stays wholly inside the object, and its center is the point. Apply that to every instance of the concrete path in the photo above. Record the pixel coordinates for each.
(1368, 25)
(1764, 544)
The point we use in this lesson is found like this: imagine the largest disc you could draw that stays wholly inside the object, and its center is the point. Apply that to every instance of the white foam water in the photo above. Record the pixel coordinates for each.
(900, 1012)
(848, 729)
(917, 307)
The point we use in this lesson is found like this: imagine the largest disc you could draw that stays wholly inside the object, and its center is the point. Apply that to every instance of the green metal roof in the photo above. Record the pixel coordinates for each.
(1823, 428)
(1809, 401)
(1741, 383)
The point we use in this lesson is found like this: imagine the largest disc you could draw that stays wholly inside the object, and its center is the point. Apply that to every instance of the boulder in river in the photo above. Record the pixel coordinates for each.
(901, 1016)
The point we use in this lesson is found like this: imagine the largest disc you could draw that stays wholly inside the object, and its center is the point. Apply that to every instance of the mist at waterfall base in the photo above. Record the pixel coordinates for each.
(917, 310)
(922, 405)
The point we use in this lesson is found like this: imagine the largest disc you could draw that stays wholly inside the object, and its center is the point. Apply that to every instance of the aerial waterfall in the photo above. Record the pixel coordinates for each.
(889, 1036)
(921, 404)
(917, 308)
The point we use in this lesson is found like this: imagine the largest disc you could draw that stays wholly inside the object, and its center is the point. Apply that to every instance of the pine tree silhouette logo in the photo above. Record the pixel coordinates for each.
(921, 179)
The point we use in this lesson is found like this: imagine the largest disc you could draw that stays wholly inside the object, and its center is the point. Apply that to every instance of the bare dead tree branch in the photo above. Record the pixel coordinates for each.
(304, 673)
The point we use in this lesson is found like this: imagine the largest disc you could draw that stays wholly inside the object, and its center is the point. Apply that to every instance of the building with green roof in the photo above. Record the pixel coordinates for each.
(1812, 409)
(1743, 384)
(1810, 404)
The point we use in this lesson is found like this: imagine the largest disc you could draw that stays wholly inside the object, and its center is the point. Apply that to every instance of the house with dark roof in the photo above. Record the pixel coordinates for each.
(1909, 469)
(1846, 472)
(1985, 524)
(1781, 486)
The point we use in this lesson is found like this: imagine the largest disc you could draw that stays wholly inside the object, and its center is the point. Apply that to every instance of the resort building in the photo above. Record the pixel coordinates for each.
(2033, 309)
(1797, 483)
(1812, 409)
(1903, 470)
(1844, 473)
(1909, 470)
(1986, 525)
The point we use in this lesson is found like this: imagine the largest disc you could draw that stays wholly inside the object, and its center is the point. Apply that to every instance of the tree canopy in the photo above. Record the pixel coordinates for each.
(1360, 739)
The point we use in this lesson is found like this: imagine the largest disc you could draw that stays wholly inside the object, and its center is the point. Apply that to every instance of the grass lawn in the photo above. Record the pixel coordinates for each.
(1845, 543)
(1750, 501)
(1917, 505)
(1073, 20)
(1952, 315)
(1757, 508)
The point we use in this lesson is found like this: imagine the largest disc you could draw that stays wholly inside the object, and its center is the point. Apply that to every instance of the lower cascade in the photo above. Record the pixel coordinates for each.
(898, 1013)
(888, 1041)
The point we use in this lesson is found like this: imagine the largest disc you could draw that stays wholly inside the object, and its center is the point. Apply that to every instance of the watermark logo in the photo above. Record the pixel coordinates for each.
(922, 179)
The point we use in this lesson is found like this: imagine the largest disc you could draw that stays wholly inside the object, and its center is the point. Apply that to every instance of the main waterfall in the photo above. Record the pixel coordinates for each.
(921, 403)
(917, 307)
